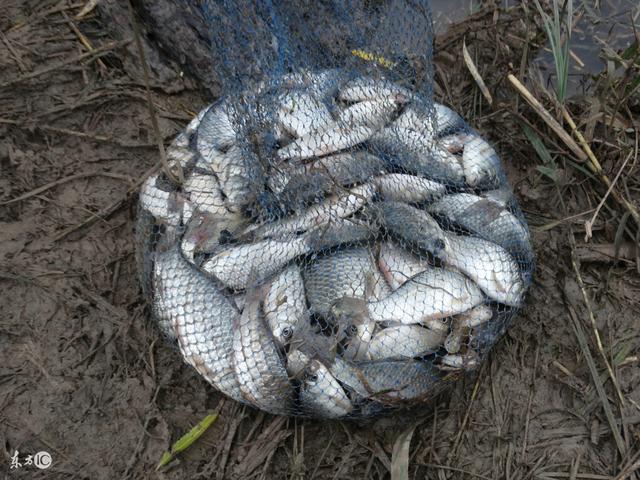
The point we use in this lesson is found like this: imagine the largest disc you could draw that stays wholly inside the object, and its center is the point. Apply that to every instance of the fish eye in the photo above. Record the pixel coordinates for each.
(312, 377)
(439, 245)
(352, 330)
(287, 332)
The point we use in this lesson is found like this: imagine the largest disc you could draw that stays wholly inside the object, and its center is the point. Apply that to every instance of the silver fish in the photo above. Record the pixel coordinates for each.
(313, 342)
(404, 341)
(489, 265)
(466, 361)
(463, 323)
(239, 174)
(327, 172)
(214, 163)
(334, 208)
(241, 265)
(301, 113)
(348, 375)
(455, 142)
(453, 342)
(390, 381)
(161, 208)
(168, 206)
(216, 130)
(259, 370)
(416, 118)
(486, 218)
(481, 164)
(321, 393)
(346, 273)
(285, 305)
(441, 121)
(372, 113)
(199, 316)
(400, 187)
(239, 299)
(416, 153)
(159, 200)
(413, 225)
(447, 120)
(474, 317)
(399, 265)
(333, 139)
(433, 294)
(324, 84)
(158, 196)
(367, 88)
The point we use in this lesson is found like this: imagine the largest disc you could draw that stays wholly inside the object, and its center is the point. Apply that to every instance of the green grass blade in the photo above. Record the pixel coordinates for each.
(537, 144)
(187, 439)
(553, 26)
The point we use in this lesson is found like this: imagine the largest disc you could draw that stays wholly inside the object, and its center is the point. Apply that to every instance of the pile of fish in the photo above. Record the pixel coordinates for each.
(343, 253)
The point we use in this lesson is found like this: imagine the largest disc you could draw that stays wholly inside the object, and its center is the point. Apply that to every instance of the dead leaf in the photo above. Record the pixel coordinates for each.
(400, 455)
(475, 74)
(88, 7)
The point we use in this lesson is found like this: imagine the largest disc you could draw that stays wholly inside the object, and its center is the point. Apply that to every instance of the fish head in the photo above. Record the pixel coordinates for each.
(311, 376)
(433, 239)
(413, 225)
(349, 311)
(355, 327)
(467, 361)
(358, 336)
(205, 232)
(307, 339)
(322, 392)
(297, 362)
(283, 333)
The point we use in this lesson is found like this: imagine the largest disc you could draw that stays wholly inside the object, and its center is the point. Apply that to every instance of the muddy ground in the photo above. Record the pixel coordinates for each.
(85, 375)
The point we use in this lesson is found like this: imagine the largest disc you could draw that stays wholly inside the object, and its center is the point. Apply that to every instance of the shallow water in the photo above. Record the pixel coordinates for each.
(597, 24)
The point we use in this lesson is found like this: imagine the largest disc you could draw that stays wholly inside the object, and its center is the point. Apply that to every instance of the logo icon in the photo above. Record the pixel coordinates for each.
(42, 460)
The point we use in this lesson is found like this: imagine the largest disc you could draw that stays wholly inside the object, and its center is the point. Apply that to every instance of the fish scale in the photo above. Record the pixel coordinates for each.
(199, 316)
(398, 380)
(345, 273)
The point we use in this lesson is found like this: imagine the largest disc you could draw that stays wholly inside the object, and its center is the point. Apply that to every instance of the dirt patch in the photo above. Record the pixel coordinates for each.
(85, 376)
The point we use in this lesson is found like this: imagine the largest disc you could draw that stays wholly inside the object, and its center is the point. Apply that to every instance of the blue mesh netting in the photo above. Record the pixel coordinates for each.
(342, 244)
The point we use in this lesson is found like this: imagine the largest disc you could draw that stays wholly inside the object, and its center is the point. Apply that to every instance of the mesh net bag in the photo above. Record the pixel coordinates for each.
(341, 244)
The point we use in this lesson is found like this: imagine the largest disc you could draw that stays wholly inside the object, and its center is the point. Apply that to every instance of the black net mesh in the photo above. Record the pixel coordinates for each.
(342, 244)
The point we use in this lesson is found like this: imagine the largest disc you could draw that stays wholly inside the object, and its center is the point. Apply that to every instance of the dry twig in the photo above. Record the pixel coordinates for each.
(96, 53)
(178, 176)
